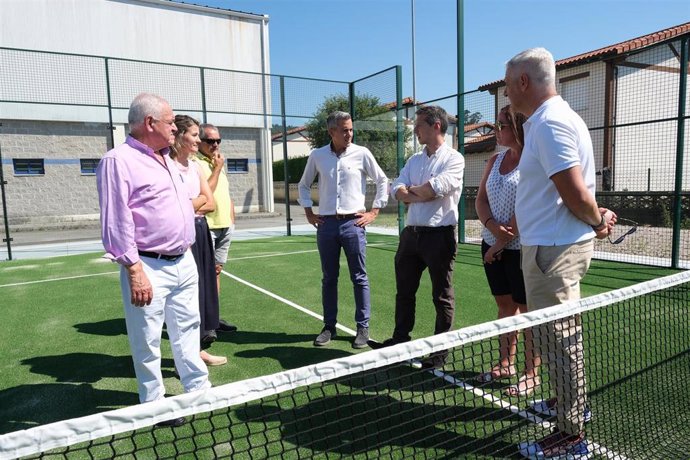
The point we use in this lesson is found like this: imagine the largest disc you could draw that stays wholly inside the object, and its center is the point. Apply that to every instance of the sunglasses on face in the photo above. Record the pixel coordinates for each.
(500, 125)
(213, 141)
(624, 222)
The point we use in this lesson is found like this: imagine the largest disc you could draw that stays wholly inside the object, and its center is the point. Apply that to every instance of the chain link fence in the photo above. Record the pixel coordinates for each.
(636, 109)
(61, 110)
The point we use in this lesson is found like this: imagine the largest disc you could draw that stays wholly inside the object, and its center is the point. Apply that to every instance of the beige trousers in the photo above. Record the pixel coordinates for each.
(552, 276)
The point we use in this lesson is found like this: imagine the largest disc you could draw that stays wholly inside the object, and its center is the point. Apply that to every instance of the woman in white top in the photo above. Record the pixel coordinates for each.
(495, 205)
(183, 151)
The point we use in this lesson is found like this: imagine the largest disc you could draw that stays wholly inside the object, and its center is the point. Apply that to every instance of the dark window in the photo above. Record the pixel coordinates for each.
(28, 167)
(238, 165)
(88, 165)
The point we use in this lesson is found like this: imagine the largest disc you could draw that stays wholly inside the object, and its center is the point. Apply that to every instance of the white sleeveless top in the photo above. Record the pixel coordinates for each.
(501, 190)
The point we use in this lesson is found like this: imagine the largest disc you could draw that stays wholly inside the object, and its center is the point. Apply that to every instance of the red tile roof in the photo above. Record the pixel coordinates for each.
(610, 51)
(279, 135)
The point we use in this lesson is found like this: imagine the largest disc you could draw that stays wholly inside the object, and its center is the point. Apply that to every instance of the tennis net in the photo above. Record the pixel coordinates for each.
(382, 404)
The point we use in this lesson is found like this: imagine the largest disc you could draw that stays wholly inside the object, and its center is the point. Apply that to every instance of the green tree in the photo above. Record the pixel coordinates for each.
(374, 125)
(472, 118)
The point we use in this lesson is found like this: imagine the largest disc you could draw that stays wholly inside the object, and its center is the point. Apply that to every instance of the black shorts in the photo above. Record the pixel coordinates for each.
(505, 275)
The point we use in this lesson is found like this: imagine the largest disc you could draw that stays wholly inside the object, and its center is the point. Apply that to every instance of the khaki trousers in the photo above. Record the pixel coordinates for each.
(552, 276)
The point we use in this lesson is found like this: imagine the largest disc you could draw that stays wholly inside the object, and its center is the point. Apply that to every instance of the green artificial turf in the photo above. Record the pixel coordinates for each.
(64, 345)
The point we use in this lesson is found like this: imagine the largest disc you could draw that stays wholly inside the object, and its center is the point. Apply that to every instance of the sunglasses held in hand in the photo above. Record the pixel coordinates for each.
(624, 223)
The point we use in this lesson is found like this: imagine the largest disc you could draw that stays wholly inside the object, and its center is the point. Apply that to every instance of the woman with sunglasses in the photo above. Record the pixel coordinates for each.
(495, 205)
(183, 151)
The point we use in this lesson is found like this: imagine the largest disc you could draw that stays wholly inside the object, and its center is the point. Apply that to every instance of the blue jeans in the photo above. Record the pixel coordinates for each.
(332, 235)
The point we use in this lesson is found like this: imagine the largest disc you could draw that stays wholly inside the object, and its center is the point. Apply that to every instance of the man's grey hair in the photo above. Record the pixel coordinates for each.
(144, 105)
(538, 64)
(336, 117)
(433, 113)
(202, 130)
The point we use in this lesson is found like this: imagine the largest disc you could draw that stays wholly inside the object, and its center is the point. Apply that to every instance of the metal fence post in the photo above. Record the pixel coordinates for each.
(7, 238)
(203, 95)
(400, 139)
(285, 156)
(461, 115)
(351, 95)
(680, 145)
(111, 126)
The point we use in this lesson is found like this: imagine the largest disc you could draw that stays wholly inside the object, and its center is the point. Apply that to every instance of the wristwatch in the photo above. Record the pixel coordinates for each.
(601, 224)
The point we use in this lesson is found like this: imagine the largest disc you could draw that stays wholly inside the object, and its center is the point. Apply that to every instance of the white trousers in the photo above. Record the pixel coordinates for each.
(175, 302)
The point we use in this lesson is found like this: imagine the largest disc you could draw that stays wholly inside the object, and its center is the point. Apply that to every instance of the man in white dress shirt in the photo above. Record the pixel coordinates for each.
(430, 184)
(343, 168)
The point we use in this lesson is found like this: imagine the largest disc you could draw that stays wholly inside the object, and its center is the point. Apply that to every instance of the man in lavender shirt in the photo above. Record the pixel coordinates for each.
(147, 226)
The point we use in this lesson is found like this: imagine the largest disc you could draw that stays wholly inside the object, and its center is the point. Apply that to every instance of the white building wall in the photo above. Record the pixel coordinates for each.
(70, 91)
(167, 35)
(645, 155)
(147, 30)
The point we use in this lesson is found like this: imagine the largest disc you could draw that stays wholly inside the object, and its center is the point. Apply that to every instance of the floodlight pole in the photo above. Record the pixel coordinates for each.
(414, 76)
(461, 114)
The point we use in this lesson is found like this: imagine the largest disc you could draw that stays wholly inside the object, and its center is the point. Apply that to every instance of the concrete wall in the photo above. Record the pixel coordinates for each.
(246, 189)
(64, 193)
(62, 190)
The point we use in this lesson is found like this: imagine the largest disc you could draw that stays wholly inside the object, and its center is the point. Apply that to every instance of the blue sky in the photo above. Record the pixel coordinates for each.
(349, 39)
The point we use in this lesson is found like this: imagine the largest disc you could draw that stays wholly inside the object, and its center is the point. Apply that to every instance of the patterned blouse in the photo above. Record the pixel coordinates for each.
(500, 190)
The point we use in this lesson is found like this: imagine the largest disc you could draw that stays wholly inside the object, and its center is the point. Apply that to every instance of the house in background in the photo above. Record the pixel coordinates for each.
(627, 93)
(297, 143)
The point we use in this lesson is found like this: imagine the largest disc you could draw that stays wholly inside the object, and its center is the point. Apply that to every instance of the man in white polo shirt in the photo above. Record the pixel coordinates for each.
(558, 218)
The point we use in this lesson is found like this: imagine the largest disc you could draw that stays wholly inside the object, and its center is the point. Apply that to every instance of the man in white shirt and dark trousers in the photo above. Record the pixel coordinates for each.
(343, 168)
(558, 218)
(431, 185)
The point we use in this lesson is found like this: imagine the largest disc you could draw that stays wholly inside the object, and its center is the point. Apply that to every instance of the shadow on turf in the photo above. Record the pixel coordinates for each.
(85, 367)
(293, 357)
(108, 327)
(26, 406)
(243, 337)
(353, 424)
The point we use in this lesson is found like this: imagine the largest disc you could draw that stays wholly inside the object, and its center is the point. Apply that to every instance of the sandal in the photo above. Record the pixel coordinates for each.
(524, 387)
(497, 372)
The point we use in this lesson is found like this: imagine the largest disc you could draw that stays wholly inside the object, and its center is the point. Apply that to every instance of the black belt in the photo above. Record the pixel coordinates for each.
(422, 229)
(342, 216)
(155, 255)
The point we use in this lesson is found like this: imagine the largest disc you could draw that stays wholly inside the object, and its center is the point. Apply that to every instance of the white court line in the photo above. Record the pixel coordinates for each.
(448, 378)
(306, 251)
(56, 279)
(238, 258)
